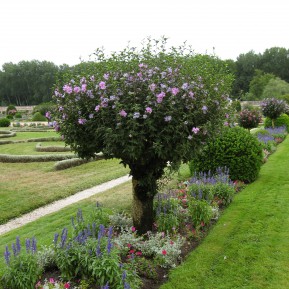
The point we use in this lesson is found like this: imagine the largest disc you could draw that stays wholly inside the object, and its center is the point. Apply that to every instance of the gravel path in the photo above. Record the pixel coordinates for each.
(58, 205)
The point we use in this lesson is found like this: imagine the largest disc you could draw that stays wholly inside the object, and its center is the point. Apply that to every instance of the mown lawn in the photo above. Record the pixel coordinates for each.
(27, 186)
(249, 247)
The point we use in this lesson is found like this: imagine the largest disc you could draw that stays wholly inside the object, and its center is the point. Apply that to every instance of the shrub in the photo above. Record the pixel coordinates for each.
(4, 122)
(249, 118)
(9, 116)
(236, 149)
(11, 110)
(223, 192)
(38, 117)
(18, 115)
(282, 120)
(44, 107)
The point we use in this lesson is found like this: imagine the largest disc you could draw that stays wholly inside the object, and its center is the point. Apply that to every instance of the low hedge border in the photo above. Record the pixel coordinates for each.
(5, 158)
(2, 142)
(7, 133)
(40, 148)
(66, 164)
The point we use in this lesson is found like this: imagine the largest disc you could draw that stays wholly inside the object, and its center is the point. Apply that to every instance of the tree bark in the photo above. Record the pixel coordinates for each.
(142, 207)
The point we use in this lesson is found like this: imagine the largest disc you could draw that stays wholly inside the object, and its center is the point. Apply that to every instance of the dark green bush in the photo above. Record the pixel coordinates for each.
(283, 119)
(4, 122)
(18, 115)
(44, 107)
(38, 117)
(234, 148)
(9, 116)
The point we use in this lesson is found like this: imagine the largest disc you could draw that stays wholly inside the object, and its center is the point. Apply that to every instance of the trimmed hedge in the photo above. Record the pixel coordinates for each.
(7, 133)
(236, 149)
(66, 164)
(40, 148)
(41, 139)
(33, 158)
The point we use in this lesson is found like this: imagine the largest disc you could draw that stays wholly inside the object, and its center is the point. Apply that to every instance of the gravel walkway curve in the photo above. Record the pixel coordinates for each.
(58, 205)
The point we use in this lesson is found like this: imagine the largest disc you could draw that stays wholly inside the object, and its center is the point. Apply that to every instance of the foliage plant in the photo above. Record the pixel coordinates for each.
(249, 118)
(272, 108)
(145, 108)
(4, 122)
(37, 116)
(282, 120)
(236, 149)
(22, 269)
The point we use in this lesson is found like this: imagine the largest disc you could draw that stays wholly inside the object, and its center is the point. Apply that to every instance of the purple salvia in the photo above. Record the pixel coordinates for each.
(18, 245)
(34, 245)
(7, 255)
(56, 235)
(28, 245)
(14, 250)
(63, 237)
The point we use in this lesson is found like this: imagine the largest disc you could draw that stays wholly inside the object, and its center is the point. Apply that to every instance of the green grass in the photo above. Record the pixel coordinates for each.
(26, 135)
(29, 148)
(248, 248)
(27, 186)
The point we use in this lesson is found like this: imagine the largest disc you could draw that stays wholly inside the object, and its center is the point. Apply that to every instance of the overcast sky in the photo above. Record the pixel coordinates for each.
(63, 31)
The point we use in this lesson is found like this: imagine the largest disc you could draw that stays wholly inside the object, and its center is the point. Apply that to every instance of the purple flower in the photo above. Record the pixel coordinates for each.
(175, 91)
(204, 109)
(67, 88)
(60, 108)
(83, 87)
(102, 85)
(160, 97)
(90, 94)
(97, 108)
(106, 76)
(76, 89)
(191, 94)
(185, 86)
(149, 110)
(168, 118)
(90, 115)
(152, 87)
(92, 78)
(195, 130)
(7, 255)
(142, 65)
(136, 115)
(81, 120)
(123, 113)
(48, 114)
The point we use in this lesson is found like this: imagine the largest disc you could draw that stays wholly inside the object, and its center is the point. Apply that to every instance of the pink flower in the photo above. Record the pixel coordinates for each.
(97, 108)
(76, 89)
(83, 87)
(133, 229)
(149, 110)
(131, 251)
(67, 285)
(102, 85)
(81, 120)
(123, 113)
(48, 115)
(227, 115)
(195, 130)
(191, 94)
(171, 242)
(164, 252)
(51, 280)
(67, 89)
(226, 123)
(138, 253)
(175, 91)
(129, 245)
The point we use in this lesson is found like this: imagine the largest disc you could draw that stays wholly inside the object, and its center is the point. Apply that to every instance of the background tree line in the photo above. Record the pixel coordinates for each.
(257, 76)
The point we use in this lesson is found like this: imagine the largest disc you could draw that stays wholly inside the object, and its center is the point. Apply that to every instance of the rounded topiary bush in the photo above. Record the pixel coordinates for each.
(282, 120)
(249, 118)
(11, 110)
(38, 117)
(234, 148)
(18, 115)
(4, 122)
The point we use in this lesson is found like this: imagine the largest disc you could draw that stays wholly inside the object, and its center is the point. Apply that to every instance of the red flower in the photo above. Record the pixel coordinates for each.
(138, 253)
(131, 251)
(67, 285)
(129, 245)
(171, 242)
(202, 224)
(164, 252)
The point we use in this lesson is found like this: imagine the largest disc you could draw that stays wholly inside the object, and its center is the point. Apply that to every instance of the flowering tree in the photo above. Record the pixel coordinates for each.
(273, 108)
(249, 118)
(143, 114)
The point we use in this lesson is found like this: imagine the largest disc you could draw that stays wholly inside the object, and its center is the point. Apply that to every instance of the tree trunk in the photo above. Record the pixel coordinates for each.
(142, 207)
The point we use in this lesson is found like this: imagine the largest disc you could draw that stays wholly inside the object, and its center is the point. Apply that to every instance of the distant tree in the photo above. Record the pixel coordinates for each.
(246, 65)
(273, 108)
(258, 83)
(276, 60)
(276, 87)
